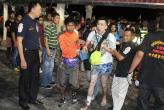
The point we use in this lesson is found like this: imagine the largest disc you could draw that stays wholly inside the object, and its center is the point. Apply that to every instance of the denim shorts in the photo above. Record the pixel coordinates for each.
(102, 69)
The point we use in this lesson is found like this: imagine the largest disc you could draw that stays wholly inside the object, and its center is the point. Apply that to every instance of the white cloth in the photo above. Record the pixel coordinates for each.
(119, 90)
(110, 42)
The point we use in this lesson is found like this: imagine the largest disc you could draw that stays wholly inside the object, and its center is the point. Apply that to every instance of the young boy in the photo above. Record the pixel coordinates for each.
(68, 42)
(124, 56)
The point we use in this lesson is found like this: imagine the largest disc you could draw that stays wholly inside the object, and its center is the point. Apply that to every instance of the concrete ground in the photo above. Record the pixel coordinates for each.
(50, 98)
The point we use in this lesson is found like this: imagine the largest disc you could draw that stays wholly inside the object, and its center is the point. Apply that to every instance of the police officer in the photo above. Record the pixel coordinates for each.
(28, 45)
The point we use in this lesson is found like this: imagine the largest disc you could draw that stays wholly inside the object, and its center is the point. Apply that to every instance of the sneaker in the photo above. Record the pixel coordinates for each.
(74, 98)
(48, 87)
(37, 102)
(53, 83)
(16, 69)
(61, 102)
(40, 70)
(24, 106)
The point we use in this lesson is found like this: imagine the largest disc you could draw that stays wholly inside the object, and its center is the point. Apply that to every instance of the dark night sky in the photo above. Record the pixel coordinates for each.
(115, 12)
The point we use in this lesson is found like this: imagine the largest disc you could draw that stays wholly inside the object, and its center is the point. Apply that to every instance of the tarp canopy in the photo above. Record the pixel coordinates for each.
(127, 3)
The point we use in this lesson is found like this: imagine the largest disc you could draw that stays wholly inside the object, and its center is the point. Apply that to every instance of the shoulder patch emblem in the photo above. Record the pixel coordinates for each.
(127, 50)
(37, 28)
(20, 27)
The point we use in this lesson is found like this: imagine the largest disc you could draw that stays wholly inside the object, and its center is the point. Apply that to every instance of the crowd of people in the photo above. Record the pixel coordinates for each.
(35, 43)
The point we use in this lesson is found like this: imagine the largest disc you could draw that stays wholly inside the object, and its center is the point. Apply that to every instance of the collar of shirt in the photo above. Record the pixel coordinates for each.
(99, 34)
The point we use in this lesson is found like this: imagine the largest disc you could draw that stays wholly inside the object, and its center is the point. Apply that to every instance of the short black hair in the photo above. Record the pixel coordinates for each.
(32, 5)
(93, 24)
(48, 13)
(129, 29)
(11, 12)
(17, 14)
(76, 16)
(69, 20)
(55, 14)
(152, 26)
(102, 18)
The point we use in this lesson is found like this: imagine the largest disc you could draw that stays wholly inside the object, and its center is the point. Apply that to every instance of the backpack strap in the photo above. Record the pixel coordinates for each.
(104, 37)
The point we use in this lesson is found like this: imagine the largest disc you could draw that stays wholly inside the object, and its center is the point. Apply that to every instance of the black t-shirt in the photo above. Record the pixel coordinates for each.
(128, 50)
(8, 25)
(29, 30)
(14, 27)
(152, 66)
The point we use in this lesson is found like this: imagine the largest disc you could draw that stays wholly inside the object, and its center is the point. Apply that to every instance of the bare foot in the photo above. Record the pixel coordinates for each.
(103, 102)
(85, 108)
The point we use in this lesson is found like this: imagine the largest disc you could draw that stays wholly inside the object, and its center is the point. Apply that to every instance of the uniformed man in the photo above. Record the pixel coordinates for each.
(28, 45)
(151, 75)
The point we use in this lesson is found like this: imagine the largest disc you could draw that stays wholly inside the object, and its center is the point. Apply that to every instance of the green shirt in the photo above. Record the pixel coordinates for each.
(50, 33)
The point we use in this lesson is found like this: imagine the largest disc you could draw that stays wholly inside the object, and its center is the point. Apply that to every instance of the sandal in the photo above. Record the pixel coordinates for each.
(85, 108)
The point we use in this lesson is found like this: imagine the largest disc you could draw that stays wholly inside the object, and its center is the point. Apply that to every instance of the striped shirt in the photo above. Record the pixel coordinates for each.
(51, 33)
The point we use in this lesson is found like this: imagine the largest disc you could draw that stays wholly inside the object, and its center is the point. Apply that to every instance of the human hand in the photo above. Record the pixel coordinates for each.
(129, 78)
(23, 64)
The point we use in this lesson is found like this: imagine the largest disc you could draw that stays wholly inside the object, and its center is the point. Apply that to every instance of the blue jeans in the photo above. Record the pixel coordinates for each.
(15, 57)
(48, 67)
(44, 52)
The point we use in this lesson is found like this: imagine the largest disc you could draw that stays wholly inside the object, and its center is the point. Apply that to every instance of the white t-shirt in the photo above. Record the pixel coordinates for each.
(110, 42)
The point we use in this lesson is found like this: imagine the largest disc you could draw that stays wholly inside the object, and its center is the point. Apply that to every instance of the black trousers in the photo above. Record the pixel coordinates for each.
(29, 78)
(145, 91)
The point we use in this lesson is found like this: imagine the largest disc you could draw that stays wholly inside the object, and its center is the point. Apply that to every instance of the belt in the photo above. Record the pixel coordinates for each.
(25, 49)
(70, 58)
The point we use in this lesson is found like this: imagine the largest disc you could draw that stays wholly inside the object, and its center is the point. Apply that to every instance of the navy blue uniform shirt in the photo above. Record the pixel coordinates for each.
(128, 50)
(28, 29)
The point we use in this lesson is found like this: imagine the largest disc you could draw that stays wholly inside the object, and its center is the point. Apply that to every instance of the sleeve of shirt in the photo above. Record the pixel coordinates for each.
(112, 41)
(46, 32)
(91, 36)
(126, 50)
(6, 23)
(22, 29)
(144, 45)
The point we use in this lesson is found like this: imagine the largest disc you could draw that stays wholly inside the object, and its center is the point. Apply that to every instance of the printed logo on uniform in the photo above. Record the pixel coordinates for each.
(127, 50)
(20, 27)
(158, 50)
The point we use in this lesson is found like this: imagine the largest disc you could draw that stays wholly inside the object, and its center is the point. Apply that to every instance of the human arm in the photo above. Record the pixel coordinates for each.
(46, 34)
(21, 53)
(89, 41)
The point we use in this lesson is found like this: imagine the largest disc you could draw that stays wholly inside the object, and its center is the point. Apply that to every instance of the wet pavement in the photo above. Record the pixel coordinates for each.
(50, 98)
